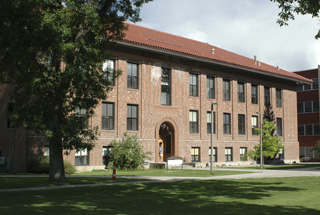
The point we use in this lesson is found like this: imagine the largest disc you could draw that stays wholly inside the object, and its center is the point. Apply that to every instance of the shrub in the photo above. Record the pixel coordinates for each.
(69, 168)
(41, 165)
(128, 153)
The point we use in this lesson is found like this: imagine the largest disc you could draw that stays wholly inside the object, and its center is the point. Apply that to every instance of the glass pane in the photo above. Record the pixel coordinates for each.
(301, 130)
(309, 129)
(300, 107)
(308, 107)
(315, 106)
(208, 117)
(134, 111)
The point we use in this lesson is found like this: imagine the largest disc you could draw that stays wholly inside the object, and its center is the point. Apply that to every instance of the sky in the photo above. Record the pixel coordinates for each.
(245, 27)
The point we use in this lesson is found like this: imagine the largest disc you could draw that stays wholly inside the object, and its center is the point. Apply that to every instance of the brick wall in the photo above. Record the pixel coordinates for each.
(152, 114)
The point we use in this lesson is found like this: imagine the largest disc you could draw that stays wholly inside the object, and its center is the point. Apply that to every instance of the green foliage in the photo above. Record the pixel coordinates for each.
(52, 53)
(291, 7)
(41, 165)
(69, 168)
(316, 148)
(270, 144)
(128, 153)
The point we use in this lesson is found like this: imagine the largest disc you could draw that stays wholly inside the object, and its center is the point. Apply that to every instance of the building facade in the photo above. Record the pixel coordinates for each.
(308, 115)
(164, 96)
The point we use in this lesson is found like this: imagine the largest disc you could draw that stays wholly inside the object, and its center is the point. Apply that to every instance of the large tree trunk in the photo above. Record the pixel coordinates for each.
(56, 168)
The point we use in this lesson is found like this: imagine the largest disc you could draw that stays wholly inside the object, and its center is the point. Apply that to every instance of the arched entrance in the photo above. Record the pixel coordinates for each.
(166, 143)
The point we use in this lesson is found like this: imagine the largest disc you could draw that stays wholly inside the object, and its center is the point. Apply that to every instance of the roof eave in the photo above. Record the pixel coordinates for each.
(210, 61)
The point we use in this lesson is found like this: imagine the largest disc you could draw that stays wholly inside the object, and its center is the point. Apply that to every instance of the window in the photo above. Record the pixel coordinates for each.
(81, 157)
(316, 129)
(46, 151)
(82, 113)
(214, 155)
(165, 87)
(209, 122)
(254, 94)
(300, 107)
(254, 123)
(105, 154)
(241, 124)
(226, 90)
(193, 85)
(107, 116)
(241, 95)
(195, 154)
(315, 106)
(312, 129)
(227, 123)
(266, 96)
(228, 154)
(132, 117)
(132, 76)
(309, 129)
(301, 131)
(315, 83)
(279, 127)
(243, 154)
(308, 107)
(193, 121)
(108, 68)
(307, 86)
(210, 88)
(299, 87)
(279, 97)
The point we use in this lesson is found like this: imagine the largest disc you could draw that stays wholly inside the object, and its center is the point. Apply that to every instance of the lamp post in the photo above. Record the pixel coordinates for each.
(260, 114)
(211, 147)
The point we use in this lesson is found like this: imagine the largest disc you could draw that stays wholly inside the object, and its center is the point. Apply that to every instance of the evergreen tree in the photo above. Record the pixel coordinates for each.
(271, 144)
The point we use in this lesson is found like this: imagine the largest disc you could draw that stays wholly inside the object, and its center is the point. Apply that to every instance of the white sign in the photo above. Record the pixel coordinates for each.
(175, 162)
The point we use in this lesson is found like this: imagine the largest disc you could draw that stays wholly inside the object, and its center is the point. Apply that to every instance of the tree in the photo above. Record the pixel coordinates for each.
(52, 55)
(271, 144)
(127, 153)
(291, 7)
(316, 148)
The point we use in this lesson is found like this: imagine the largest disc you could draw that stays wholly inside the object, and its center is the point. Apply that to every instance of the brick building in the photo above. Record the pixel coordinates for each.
(165, 95)
(308, 114)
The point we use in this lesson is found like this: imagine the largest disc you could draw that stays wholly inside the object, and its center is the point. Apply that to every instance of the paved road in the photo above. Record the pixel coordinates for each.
(314, 171)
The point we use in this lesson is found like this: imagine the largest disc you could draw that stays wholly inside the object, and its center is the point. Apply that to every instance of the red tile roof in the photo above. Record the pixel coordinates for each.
(156, 39)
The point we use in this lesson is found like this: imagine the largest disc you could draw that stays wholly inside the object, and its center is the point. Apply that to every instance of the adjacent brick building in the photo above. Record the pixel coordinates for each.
(165, 95)
(308, 115)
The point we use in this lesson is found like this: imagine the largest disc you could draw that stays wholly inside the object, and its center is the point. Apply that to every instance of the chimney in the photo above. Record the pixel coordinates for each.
(212, 51)
(255, 60)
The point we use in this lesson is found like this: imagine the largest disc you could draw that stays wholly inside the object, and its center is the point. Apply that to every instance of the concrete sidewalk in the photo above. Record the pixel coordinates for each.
(306, 172)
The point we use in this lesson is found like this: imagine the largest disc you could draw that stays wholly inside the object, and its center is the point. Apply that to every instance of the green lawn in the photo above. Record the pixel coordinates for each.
(245, 196)
(29, 181)
(162, 172)
(20, 182)
(280, 167)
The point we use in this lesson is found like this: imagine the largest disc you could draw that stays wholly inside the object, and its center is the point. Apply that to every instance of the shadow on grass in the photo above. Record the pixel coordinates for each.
(184, 197)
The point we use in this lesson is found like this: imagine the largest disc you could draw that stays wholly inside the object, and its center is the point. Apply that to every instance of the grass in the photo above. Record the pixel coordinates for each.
(35, 181)
(162, 172)
(280, 167)
(246, 196)
(21, 182)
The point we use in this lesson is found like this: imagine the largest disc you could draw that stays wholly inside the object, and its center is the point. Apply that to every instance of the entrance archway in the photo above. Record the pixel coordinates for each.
(166, 148)
(166, 131)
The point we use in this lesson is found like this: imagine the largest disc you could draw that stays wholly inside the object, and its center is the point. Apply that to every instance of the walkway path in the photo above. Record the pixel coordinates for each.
(314, 171)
